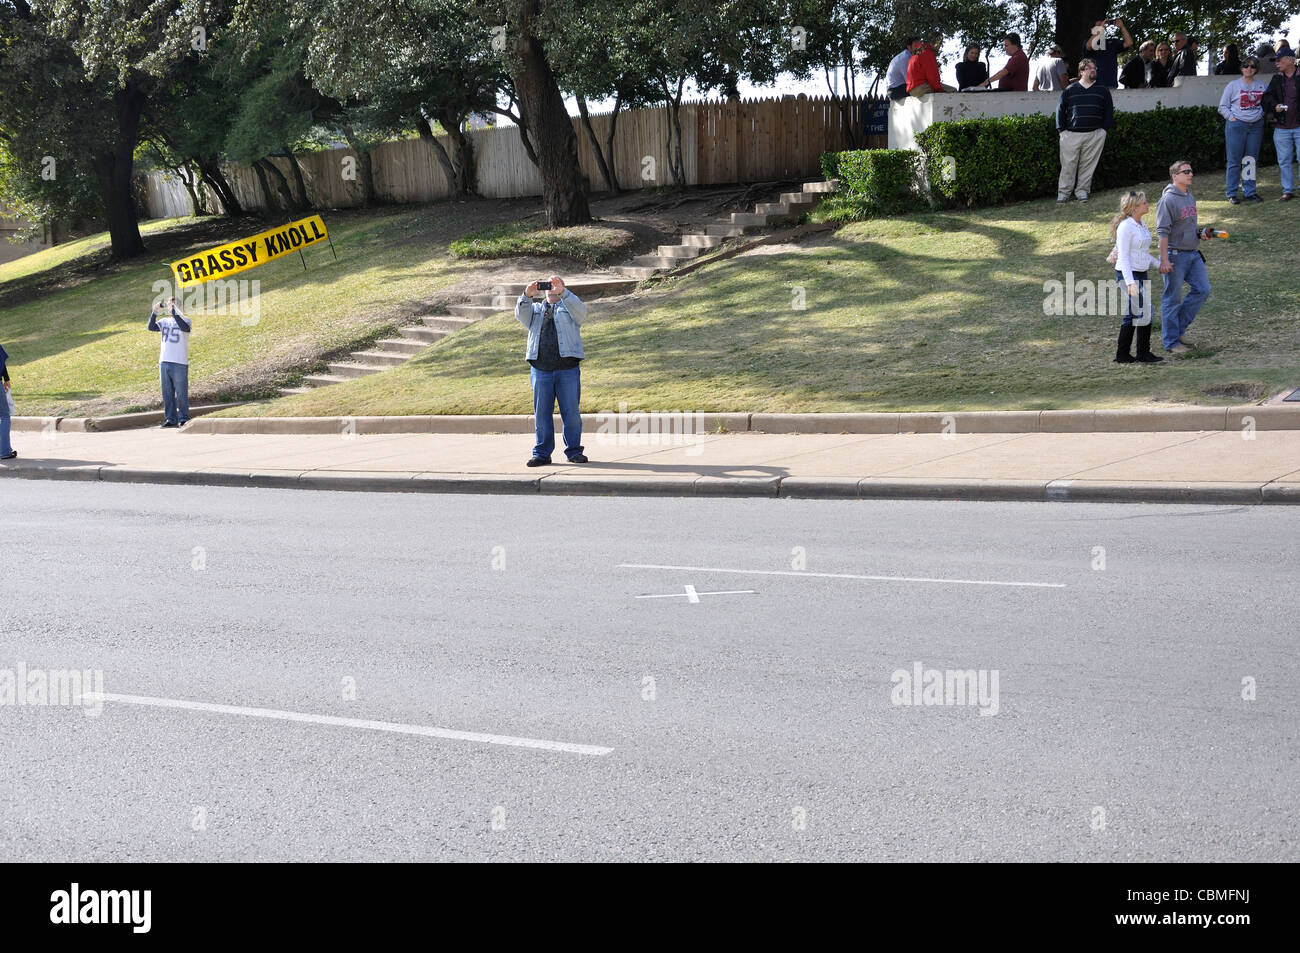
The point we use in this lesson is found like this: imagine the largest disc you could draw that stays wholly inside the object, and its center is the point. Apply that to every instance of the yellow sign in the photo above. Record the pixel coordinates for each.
(234, 257)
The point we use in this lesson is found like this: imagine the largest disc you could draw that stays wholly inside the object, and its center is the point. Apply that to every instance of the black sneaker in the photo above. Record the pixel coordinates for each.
(165, 424)
(1233, 200)
(539, 462)
(1254, 198)
(10, 455)
(579, 458)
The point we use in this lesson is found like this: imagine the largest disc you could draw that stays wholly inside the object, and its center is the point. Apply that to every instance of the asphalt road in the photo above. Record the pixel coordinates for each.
(734, 716)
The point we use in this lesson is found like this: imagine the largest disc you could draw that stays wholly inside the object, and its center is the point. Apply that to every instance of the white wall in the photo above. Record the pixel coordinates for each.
(915, 113)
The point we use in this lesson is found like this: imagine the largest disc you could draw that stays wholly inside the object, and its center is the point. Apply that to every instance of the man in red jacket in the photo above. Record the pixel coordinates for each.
(923, 70)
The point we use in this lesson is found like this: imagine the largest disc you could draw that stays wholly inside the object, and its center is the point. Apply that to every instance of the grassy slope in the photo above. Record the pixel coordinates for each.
(83, 349)
(933, 311)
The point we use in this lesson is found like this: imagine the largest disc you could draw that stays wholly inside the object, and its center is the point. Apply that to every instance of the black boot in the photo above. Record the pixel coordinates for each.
(1144, 347)
(1123, 354)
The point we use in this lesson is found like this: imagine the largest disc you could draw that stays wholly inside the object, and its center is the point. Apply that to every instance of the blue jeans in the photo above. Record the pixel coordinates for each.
(548, 387)
(176, 391)
(1176, 312)
(1243, 139)
(1136, 311)
(1287, 142)
(6, 447)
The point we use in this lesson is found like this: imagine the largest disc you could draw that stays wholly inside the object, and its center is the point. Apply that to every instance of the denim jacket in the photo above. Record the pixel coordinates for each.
(569, 313)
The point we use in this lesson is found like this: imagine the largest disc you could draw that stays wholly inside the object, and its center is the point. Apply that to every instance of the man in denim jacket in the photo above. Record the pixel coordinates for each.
(555, 353)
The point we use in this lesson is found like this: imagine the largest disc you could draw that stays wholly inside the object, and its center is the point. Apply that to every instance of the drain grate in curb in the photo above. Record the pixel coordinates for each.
(1293, 397)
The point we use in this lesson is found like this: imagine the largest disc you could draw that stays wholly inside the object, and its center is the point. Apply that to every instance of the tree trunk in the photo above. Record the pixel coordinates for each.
(1074, 20)
(302, 201)
(460, 166)
(609, 139)
(606, 168)
(542, 104)
(676, 165)
(267, 196)
(281, 183)
(439, 153)
(191, 183)
(113, 167)
(368, 195)
(213, 176)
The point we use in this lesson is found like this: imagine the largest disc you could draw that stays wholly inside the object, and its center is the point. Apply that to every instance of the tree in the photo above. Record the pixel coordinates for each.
(101, 60)
(544, 119)
(396, 66)
(598, 58)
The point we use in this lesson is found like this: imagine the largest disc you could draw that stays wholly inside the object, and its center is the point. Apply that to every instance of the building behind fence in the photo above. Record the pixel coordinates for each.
(736, 141)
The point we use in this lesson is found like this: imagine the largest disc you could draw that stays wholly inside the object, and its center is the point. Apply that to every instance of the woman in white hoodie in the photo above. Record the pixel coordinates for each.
(1132, 261)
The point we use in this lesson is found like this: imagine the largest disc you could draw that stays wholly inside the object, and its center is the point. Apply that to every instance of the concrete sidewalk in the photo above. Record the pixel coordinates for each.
(1198, 467)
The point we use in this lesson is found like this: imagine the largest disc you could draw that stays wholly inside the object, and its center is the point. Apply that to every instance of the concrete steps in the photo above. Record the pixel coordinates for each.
(476, 312)
(424, 336)
(445, 322)
(392, 352)
(379, 358)
(322, 380)
(692, 245)
(349, 371)
(401, 346)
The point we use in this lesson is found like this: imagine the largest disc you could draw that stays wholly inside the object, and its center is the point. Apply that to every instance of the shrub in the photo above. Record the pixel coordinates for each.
(590, 244)
(874, 182)
(1018, 157)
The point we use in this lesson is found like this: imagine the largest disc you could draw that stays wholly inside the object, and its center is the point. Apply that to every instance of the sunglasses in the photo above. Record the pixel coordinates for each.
(1185, 172)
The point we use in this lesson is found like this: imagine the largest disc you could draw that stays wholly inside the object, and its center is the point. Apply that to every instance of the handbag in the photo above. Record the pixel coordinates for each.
(9, 399)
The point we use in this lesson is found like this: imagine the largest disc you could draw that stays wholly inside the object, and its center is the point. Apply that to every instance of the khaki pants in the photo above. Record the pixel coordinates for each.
(1080, 152)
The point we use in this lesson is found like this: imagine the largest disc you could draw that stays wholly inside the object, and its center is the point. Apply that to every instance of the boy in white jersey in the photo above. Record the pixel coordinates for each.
(173, 361)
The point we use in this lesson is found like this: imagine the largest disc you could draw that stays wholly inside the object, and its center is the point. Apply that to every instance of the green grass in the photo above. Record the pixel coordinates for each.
(589, 244)
(13, 272)
(934, 311)
(83, 348)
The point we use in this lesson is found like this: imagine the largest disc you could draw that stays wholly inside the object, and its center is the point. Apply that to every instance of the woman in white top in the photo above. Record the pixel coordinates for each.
(1132, 260)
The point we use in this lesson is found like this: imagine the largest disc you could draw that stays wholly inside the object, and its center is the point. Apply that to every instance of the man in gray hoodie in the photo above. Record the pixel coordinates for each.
(1180, 260)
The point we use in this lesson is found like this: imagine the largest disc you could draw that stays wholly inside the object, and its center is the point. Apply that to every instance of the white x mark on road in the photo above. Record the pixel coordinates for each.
(692, 596)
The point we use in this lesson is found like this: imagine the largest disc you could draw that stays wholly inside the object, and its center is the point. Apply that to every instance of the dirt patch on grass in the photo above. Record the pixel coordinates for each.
(1246, 391)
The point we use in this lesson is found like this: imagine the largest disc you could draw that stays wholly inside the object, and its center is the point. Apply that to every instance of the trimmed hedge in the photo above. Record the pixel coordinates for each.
(1018, 157)
(875, 182)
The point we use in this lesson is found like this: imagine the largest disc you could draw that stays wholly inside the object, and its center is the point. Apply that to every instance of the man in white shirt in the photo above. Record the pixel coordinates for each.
(173, 361)
(896, 75)
(1052, 75)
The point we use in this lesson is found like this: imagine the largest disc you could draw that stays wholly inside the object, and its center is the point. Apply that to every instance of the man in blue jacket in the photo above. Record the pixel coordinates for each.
(555, 353)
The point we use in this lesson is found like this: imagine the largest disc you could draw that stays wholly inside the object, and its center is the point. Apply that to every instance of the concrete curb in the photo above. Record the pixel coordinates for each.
(684, 485)
(106, 424)
(1172, 420)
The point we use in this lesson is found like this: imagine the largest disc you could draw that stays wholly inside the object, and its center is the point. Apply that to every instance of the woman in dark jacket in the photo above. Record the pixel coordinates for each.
(1230, 65)
(970, 71)
(1162, 67)
(7, 452)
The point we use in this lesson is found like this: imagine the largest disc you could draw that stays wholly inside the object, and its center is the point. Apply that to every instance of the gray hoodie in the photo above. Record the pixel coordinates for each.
(1176, 218)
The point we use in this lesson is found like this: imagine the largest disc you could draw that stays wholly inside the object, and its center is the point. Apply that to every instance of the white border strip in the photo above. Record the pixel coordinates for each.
(394, 727)
(840, 575)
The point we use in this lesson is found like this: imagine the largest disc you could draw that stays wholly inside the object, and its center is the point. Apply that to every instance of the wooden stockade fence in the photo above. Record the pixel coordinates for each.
(722, 142)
